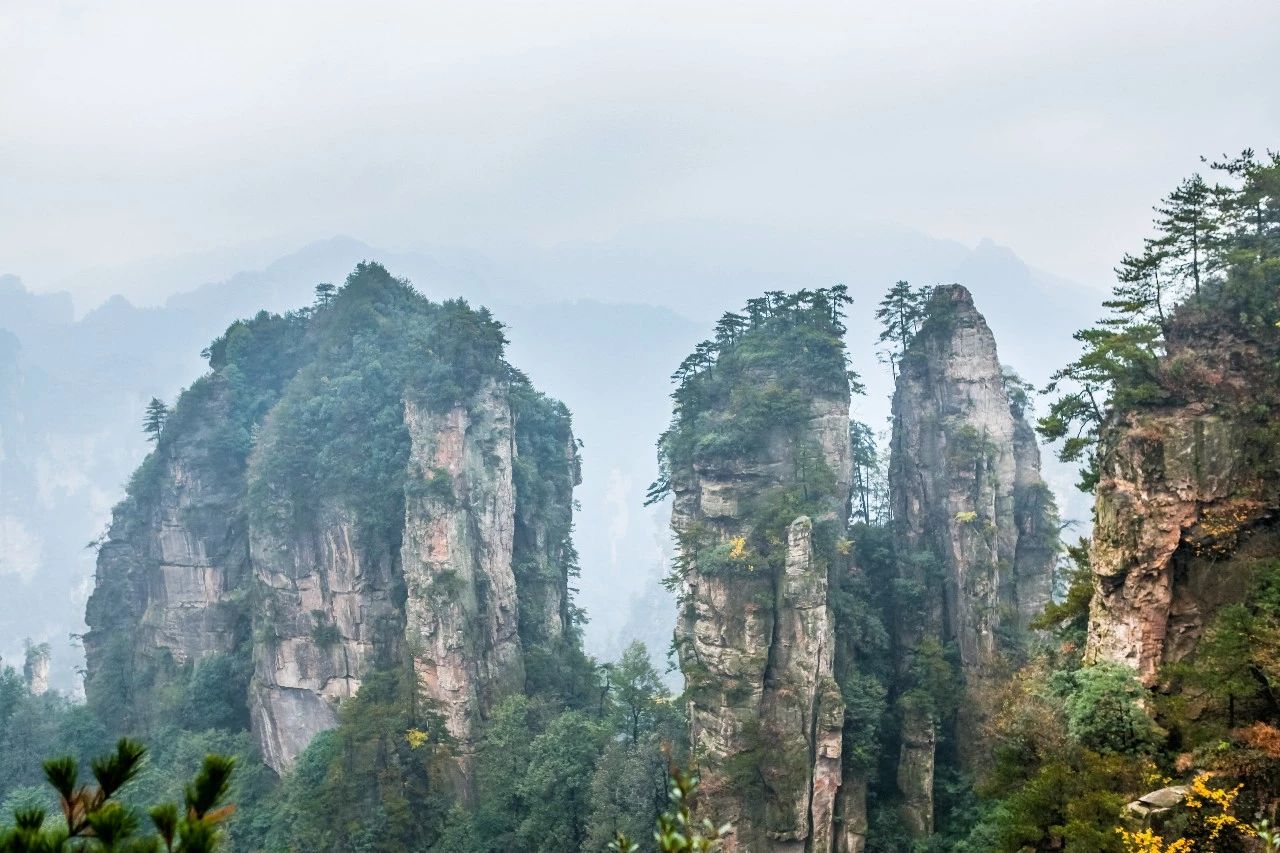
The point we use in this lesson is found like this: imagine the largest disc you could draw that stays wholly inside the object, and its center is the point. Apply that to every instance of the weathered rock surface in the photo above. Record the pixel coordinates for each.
(173, 573)
(757, 650)
(1187, 503)
(462, 606)
(329, 618)
(35, 669)
(975, 527)
(314, 595)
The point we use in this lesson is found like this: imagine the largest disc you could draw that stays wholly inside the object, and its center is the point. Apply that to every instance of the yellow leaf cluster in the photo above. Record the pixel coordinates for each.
(1146, 841)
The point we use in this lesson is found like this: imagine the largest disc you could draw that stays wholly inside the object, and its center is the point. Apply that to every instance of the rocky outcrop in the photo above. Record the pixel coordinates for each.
(440, 546)
(975, 532)
(756, 649)
(35, 669)
(462, 606)
(329, 617)
(758, 531)
(173, 573)
(1188, 499)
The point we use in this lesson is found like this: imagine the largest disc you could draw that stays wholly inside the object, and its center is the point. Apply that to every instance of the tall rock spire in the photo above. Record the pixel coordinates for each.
(975, 530)
(758, 459)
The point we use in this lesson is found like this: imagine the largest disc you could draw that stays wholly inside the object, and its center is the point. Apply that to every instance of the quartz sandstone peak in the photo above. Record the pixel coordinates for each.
(1188, 498)
(975, 531)
(310, 603)
(755, 634)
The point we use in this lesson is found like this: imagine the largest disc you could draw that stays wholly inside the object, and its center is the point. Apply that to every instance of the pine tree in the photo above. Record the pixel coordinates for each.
(153, 421)
(900, 314)
(1215, 248)
(863, 442)
(1189, 230)
(325, 293)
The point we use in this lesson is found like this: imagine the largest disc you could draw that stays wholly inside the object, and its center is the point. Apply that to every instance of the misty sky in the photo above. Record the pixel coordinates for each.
(130, 130)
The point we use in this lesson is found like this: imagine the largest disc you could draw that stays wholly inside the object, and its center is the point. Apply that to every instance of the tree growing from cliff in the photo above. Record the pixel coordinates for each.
(900, 314)
(153, 420)
(1212, 252)
(756, 374)
(1189, 224)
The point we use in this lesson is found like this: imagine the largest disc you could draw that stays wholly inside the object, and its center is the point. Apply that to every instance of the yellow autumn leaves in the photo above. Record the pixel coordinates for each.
(1213, 809)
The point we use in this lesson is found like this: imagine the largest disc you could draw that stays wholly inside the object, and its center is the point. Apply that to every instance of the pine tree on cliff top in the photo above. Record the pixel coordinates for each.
(1214, 249)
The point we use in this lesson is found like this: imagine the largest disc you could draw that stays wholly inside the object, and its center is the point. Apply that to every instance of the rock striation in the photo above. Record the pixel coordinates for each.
(420, 524)
(758, 526)
(975, 533)
(1188, 497)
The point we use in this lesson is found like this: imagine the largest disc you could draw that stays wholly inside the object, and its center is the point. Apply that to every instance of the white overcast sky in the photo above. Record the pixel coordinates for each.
(131, 130)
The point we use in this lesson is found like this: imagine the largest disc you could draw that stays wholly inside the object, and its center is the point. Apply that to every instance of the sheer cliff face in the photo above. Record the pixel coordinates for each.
(173, 573)
(760, 470)
(1188, 501)
(974, 527)
(218, 552)
(330, 616)
(462, 604)
(756, 648)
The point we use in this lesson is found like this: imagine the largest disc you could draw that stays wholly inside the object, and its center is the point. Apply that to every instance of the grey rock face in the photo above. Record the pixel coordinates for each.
(757, 650)
(462, 609)
(974, 523)
(183, 575)
(174, 559)
(328, 618)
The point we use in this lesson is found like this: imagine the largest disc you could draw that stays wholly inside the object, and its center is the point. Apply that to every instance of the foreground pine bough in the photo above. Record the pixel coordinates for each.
(93, 817)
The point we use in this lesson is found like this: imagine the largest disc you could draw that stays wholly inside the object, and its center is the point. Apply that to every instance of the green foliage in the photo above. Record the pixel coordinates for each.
(628, 790)
(1104, 710)
(94, 818)
(1234, 674)
(153, 420)
(1068, 612)
(1047, 788)
(1070, 803)
(337, 436)
(556, 784)
(1216, 250)
(932, 680)
(640, 702)
(901, 313)
(870, 476)
(678, 830)
(364, 786)
(324, 633)
(863, 660)
(756, 377)
(215, 694)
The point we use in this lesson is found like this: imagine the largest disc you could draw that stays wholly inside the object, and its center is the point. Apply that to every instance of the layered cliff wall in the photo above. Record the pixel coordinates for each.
(758, 461)
(359, 487)
(1188, 496)
(975, 535)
